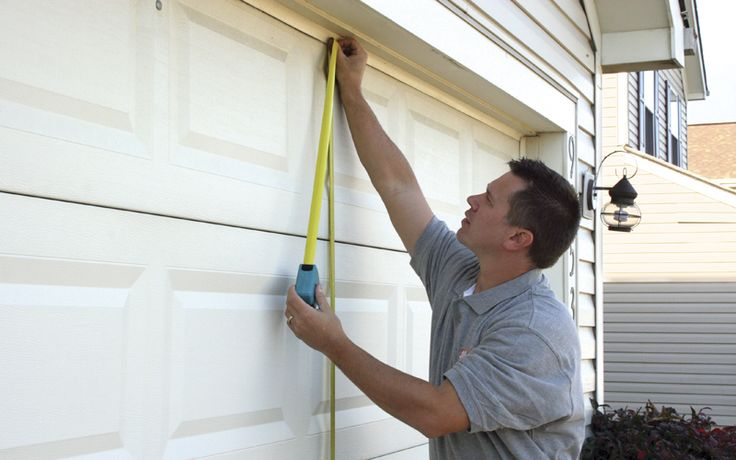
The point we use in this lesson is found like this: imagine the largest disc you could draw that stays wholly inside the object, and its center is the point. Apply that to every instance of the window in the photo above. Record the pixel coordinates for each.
(648, 87)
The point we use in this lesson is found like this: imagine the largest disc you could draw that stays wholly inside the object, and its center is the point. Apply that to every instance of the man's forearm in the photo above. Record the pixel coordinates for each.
(432, 410)
(388, 169)
(416, 402)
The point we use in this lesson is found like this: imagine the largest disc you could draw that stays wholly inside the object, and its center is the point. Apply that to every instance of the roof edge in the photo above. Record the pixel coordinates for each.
(678, 170)
(713, 123)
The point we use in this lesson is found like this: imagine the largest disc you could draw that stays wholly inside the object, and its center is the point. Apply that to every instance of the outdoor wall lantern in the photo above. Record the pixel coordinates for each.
(620, 214)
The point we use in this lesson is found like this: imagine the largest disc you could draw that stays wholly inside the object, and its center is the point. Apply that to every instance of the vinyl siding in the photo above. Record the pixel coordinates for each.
(552, 38)
(610, 119)
(673, 344)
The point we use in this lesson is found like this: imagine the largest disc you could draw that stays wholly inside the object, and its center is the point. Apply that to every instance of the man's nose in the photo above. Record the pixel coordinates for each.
(472, 201)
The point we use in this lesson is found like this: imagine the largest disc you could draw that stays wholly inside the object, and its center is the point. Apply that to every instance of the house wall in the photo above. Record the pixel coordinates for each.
(670, 295)
(686, 231)
(157, 170)
(610, 108)
(672, 344)
(616, 126)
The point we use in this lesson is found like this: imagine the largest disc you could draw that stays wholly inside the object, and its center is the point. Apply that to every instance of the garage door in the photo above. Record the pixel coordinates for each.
(156, 176)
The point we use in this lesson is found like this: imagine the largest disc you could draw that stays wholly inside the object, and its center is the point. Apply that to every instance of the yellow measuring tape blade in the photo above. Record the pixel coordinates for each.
(319, 174)
(325, 165)
(331, 212)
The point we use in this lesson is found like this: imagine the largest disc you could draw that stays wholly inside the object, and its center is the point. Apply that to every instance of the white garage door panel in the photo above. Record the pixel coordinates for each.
(214, 61)
(69, 73)
(242, 95)
(142, 336)
(209, 111)
(419, 329)
(382, 95)
(226, 328)
(438, 151)
(61, 324)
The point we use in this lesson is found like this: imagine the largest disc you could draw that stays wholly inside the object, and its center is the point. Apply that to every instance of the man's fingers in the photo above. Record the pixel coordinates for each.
(294, 303)
(349, 46)
(345, 43)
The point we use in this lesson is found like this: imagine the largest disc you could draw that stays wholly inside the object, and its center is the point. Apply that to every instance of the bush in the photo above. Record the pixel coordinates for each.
(653, 434)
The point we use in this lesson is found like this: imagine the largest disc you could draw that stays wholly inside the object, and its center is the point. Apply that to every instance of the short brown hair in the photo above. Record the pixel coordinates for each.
(548, 207)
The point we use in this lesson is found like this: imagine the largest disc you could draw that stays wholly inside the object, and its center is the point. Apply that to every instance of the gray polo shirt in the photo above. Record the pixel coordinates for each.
(511, 353)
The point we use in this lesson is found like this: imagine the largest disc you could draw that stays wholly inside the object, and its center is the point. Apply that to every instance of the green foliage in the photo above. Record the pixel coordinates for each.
(657, 434)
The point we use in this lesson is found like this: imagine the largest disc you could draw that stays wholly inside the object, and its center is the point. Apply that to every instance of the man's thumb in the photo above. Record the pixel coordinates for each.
(321, 299)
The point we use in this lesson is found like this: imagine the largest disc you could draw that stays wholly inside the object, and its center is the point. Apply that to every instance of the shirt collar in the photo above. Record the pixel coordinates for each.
(484, 301)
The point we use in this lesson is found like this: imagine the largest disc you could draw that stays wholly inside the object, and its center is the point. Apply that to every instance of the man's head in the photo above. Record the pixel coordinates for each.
(548, 207)
(531, 211)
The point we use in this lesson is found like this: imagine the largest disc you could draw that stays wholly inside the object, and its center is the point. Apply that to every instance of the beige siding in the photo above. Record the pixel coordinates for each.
(673, 344)
(677, 238)
(610, 105)
(615, 111)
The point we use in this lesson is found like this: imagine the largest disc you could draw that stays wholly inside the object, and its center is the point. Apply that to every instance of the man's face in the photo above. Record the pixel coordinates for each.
(485, 228)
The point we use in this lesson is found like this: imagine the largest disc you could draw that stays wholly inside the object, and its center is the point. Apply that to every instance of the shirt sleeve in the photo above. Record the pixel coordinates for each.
(512, 380)
(439, 256)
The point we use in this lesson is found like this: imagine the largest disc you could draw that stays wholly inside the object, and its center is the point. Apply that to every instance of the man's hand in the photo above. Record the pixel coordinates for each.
(320, 329)
(351, 62)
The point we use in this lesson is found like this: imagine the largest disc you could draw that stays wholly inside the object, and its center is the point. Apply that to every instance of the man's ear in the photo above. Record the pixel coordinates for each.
(521, 239)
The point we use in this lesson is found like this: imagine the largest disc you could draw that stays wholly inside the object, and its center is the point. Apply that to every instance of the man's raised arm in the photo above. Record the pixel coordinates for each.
(387, 167)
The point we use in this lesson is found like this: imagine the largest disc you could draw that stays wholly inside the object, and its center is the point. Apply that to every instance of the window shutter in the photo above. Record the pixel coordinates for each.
(642, 117)
(668, 121)
(655, 112)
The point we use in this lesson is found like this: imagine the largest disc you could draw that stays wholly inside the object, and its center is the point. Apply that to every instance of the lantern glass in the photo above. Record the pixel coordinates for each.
(621, 217)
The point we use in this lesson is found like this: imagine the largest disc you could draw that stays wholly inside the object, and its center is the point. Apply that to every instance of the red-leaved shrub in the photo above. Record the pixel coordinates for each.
(657, 434)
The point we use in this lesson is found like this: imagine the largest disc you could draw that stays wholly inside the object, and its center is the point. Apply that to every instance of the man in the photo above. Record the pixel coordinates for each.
(505, 358)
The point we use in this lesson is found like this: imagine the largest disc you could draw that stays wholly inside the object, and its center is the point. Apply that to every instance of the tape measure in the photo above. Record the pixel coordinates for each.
(307, 276)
